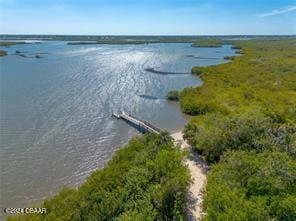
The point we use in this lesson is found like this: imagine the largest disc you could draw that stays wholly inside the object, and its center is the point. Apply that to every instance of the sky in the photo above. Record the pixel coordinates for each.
(148, 17)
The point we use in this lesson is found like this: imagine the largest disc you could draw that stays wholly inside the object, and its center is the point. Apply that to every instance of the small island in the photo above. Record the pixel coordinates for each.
(8, 44)
(11, 43)
(173, 95)
(3, 53)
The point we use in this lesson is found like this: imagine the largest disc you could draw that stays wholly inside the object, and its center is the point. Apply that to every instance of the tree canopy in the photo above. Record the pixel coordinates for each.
(245, 127)
(145, 180)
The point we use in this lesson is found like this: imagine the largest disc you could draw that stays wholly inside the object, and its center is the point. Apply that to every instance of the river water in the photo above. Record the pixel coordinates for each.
(56, 124)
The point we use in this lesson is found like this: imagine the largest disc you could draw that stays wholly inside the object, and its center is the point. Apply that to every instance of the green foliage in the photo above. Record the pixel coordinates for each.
(252, 186)
(239, 52)
(236, 47)
(173, 95)
(213, 134)
(229, 57)
(246, 126)
(10, 43)
(3, 53)
(145, 180)
(197, 70)
(264, 77)
(193, 102)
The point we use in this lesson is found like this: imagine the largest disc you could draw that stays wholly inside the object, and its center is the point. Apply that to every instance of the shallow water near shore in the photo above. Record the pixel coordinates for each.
(56, 123)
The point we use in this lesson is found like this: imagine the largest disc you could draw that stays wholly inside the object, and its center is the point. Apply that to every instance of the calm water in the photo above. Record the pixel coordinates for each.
(56, 124)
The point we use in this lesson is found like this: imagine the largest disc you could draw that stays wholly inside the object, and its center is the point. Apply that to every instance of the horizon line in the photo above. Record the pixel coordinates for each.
(148, 35)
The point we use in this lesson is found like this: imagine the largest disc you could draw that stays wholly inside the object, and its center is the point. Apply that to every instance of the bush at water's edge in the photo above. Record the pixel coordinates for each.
(145, 180)
(246, 127)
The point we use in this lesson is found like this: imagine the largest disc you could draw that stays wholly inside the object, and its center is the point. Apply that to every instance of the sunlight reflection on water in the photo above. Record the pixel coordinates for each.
(56, 124)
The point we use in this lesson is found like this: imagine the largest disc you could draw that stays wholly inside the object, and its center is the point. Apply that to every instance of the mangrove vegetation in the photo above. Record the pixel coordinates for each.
(145, 180)
(3, 53)
(245, 127)
(173, 95)
(10, 43)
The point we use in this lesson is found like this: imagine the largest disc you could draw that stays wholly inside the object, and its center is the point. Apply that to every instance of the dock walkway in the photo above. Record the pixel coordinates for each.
(142, 125)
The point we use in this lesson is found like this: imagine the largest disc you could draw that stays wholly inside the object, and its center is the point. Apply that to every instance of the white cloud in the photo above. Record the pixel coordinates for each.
(279, 11)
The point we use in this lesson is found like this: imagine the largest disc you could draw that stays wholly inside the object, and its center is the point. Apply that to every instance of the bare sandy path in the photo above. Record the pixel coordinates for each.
(198, 170)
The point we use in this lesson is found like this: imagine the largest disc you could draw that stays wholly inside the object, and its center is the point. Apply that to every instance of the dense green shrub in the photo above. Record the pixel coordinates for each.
(236, 47)
(229, 57)
(213, 134)
(11, 43)
(252, 186)
(145, 180)
(262, 78)
(197, 70)
(173, 96)
(3, 53)
(246, 126)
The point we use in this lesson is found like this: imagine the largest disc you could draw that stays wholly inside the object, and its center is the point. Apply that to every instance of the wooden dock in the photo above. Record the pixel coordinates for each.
(142, 125)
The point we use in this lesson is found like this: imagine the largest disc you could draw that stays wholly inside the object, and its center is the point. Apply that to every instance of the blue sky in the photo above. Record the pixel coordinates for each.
(148, 17)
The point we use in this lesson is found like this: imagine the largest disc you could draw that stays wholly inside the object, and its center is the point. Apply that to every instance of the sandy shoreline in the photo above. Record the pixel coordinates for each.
(198, 170)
